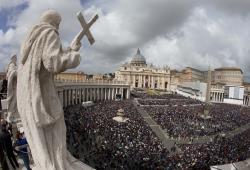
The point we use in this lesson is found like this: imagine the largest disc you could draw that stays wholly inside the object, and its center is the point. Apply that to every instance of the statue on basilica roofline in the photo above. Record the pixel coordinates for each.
(166, 67)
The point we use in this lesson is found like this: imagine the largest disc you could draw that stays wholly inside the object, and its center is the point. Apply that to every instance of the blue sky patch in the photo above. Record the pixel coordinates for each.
(10, 14)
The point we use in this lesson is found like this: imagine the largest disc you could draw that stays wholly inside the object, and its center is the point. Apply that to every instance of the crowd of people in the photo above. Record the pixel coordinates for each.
(12, 147)
(96, 139)
(103, 143)
(219, 151)
(164, 99)
(169, 102)
(145, 95)
(182, 117)
(186, 121)
(110, 144)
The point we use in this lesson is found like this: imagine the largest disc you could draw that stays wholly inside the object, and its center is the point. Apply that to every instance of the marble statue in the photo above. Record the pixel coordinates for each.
(12, 113)
(40, 109)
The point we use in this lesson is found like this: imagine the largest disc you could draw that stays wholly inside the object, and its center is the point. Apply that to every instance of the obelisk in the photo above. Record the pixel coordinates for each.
(208, 93)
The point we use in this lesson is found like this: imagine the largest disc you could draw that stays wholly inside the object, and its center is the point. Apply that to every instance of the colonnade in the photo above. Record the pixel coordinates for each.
(246, 100)
(217, 96)
(72, 95)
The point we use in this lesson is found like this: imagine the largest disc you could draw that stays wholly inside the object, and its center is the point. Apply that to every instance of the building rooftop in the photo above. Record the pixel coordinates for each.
(73, 73)
(229, 69)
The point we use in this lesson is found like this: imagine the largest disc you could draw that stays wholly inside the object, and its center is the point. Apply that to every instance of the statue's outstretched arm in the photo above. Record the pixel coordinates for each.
(55, 59)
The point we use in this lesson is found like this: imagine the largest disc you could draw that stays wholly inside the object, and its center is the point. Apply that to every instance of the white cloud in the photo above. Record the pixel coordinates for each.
(203, 41)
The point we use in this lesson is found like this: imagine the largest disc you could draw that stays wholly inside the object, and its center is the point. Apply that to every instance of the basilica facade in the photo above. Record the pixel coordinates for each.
(139, 74)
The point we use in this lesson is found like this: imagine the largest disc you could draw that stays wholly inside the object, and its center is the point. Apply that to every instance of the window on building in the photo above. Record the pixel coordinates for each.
(166, 85)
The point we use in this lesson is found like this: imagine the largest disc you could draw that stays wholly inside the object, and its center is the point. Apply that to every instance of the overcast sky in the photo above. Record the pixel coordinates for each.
(177, 33)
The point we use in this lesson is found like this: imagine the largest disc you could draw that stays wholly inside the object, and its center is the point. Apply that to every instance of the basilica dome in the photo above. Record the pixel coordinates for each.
(138, 59)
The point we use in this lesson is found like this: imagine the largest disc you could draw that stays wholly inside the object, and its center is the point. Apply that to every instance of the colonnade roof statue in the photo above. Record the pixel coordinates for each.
(40, 109)
(12, 113)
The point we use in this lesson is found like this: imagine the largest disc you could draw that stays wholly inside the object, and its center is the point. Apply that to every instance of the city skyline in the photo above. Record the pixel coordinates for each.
(174, 33)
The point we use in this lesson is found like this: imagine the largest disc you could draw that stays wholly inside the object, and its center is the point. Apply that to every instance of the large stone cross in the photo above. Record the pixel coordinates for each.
(86, 26)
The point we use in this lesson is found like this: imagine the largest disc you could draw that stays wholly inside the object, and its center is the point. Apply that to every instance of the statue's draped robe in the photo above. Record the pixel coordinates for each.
(38, 104)
(11, 91)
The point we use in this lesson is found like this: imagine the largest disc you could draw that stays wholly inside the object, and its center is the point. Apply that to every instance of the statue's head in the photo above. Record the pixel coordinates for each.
(52, 17)
(14, 58)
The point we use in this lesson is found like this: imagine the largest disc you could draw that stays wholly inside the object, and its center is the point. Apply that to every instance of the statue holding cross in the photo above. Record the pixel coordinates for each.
(38, 104)
(85, 30)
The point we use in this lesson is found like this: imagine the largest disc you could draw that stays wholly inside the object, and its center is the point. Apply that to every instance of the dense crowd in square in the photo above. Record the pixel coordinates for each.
(185, 121)
(96, 139)
(181, 116)
(109, 144)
